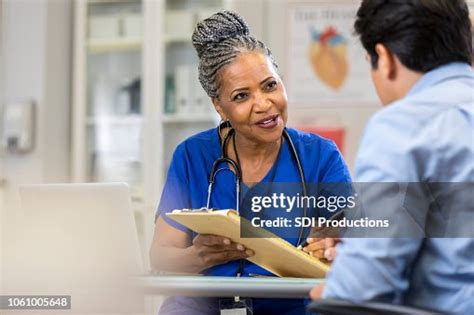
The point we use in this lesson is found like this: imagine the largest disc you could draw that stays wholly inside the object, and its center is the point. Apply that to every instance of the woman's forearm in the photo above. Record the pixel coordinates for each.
(175, 259)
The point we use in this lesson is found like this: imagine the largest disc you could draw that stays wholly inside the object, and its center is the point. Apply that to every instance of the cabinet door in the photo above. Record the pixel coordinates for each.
(112, 106)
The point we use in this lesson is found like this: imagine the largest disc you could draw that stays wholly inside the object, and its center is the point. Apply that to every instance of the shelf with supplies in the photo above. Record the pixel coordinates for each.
(122, 120)
(178, 38)
(189, 118)
(111, 1)
(98, 46)
(186, 109)
(114, 26)
(181, 18)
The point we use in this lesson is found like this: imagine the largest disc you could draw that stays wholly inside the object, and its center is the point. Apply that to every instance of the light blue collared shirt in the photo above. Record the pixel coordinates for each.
(428, 136)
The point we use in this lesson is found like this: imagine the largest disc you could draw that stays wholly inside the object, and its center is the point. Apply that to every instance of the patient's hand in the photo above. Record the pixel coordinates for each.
(322, 247)
(317, 292)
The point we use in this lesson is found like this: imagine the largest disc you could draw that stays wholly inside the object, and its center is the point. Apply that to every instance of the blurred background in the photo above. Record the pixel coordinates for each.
(104, 90)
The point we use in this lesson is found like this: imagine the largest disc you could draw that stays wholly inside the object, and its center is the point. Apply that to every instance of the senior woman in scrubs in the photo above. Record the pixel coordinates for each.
(240, 76)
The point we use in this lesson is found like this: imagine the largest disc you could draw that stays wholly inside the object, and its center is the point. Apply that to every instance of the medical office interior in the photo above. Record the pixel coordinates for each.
(104, 90)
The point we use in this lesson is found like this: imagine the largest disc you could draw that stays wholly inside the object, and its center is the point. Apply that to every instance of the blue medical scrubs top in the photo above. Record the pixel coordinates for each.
(187, 185)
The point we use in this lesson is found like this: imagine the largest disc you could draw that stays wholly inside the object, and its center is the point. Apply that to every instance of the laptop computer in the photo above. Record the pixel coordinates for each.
(78, 240)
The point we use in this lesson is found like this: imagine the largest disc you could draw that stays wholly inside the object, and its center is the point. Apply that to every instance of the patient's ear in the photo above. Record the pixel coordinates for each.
(386, 62)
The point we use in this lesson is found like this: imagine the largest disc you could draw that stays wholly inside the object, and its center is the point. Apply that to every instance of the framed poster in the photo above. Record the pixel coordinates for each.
(326, 63)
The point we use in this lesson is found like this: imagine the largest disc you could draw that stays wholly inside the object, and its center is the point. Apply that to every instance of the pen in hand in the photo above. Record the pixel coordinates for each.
(303, 245)
(337, 216)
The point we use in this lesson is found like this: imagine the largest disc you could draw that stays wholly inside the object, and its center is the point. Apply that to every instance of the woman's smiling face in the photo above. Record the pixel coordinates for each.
(252, 97)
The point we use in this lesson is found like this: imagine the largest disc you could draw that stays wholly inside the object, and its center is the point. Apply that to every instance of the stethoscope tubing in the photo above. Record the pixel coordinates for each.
(238, 173)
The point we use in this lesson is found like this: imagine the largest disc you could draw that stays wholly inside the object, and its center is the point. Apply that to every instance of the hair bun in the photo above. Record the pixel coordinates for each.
(218, 28)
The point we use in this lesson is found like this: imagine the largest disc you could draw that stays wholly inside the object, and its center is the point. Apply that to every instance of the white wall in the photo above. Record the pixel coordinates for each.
(57, 87)
(37, 44)
(36, 36)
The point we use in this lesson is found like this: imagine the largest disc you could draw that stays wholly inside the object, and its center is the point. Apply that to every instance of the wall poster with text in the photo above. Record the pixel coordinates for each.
(326, 63)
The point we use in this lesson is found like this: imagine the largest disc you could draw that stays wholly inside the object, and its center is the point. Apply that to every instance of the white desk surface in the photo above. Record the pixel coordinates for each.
(255, 287)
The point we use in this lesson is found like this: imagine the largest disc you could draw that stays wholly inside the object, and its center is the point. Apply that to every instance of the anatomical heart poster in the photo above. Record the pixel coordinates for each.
(326, 63)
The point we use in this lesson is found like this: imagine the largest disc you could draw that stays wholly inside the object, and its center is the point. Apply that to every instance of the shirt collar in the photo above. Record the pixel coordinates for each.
(440, 74)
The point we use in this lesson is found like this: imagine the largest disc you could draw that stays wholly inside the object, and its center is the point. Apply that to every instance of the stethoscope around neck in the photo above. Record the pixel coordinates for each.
(238, 171)
(225, 159)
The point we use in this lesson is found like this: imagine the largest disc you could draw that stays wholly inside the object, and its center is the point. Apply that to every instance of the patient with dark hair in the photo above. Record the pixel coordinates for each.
(420, 54)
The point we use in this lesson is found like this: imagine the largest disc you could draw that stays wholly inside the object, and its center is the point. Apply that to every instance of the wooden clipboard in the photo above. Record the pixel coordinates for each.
(271, 252)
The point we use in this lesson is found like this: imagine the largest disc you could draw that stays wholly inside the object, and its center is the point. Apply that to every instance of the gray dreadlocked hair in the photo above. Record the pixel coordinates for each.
(218, 40)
